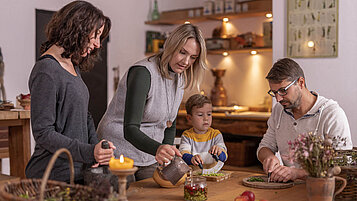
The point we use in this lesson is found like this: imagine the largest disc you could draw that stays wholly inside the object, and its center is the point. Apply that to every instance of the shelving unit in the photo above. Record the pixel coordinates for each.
(256, 8)
(243, 50)
(208, 18)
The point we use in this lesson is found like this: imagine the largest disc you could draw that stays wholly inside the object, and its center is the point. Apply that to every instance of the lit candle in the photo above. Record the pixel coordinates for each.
(121, 163)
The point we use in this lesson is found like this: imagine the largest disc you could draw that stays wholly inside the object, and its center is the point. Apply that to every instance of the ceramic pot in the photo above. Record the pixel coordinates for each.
(322, 189)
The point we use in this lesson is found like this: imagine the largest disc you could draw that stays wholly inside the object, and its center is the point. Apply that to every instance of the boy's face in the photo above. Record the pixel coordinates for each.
(201, 118)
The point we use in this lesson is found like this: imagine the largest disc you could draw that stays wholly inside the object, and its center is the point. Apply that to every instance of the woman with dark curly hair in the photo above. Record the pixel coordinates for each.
(59, 97)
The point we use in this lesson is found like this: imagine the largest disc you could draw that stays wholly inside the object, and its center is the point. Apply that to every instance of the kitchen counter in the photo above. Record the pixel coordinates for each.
(225, 190)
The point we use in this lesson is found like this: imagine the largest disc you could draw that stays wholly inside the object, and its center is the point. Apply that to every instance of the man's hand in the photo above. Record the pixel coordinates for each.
(166, 153)
(284, 174)
(270, 163)
(216, 150)
(103, 156)
(196, 159)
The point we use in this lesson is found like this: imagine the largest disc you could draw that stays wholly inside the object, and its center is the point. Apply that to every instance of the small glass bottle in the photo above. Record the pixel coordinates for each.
(195, 188)
(155, 15)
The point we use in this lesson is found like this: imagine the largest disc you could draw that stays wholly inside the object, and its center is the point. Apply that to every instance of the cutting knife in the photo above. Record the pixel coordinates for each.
(269, 174)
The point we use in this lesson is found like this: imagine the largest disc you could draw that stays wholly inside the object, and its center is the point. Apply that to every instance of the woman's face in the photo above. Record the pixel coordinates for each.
(185, 57)
(94, 42)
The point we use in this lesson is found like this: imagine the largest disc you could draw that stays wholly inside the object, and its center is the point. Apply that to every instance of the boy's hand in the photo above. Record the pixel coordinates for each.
(216, 150)
(196, 159)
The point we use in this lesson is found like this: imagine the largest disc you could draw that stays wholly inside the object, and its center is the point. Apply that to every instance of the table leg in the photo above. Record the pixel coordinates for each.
(19, 148)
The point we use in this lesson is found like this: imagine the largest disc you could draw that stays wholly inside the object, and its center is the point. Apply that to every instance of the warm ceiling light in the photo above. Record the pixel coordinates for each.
(253, 52)
(310, 44)
(268, 15)
(225, 19)
(236, 107)
(225, 54)
(187, 22)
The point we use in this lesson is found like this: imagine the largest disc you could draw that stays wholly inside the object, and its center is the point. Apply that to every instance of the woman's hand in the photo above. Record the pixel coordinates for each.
(102, 156)
(166, 153)
(196, 160)
(216, 150)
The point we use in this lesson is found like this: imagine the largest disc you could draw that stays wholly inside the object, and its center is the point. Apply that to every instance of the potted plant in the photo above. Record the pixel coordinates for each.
(316, 155)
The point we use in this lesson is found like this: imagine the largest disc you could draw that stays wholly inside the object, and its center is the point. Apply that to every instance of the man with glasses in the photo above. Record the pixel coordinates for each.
(299, 111)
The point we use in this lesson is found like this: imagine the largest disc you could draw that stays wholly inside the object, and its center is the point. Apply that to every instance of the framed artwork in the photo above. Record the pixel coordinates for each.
(312, 28)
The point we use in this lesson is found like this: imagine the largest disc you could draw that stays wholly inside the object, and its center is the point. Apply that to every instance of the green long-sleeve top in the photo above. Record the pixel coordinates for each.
(138, 86)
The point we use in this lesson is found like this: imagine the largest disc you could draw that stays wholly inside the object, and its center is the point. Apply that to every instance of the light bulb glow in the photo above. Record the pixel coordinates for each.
(236, 107)
(310, 43)
(253, 52)
(225, 19)
(187, 22)
(268, 15)
(225, 54)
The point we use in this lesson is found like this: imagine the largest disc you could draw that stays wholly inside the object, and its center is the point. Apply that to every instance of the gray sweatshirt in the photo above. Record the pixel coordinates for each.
(59, 119)
(326, 117)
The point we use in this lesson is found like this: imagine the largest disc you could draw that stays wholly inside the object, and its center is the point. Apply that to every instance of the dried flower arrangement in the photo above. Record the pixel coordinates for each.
(316, 154)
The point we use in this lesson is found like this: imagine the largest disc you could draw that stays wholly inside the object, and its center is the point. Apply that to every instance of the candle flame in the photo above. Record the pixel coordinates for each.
(121, 159)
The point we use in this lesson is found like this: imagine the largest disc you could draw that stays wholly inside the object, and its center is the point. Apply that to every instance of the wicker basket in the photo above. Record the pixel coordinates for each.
(350, 174)
(41, 189)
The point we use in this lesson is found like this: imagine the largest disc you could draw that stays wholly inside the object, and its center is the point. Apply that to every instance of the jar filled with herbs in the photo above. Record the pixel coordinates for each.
(195, 188)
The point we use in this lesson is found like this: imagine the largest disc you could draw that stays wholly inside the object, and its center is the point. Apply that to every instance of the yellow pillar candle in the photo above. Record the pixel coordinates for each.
(121, 163)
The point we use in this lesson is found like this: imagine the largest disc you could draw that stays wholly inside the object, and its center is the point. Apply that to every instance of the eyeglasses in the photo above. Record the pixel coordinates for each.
(282, 91)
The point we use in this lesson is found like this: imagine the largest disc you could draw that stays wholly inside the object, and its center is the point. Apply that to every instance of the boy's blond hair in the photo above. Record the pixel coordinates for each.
(196, 100)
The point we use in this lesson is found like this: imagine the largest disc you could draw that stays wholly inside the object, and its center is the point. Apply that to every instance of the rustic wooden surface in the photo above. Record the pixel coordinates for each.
(19, 139)
(226, 175)
(265, 184)
(226, 190)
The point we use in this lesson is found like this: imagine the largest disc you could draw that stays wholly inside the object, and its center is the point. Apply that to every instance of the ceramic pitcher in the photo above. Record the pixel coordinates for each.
(322, 189)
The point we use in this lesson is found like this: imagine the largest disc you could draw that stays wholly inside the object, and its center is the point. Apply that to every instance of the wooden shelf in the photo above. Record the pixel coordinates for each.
(207, 18)
(256, 8)
(243, 50)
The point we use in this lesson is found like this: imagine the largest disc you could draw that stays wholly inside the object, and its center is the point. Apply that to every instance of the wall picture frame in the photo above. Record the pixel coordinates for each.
(312, 28)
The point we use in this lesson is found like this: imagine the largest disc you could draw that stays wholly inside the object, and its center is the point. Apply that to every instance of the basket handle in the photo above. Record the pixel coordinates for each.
(49, 168)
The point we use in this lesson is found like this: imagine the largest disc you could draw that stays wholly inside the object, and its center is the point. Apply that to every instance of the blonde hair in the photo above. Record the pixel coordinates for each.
(177, 39)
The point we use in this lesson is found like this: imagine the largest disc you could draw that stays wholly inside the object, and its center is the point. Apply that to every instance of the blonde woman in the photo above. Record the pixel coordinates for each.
(140, 119)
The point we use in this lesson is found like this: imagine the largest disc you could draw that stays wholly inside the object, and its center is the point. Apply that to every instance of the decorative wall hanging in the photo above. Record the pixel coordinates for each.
(312, 29)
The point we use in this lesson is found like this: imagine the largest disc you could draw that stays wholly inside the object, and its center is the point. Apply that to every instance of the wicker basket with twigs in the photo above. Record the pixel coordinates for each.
(49, 190)
(347, 160)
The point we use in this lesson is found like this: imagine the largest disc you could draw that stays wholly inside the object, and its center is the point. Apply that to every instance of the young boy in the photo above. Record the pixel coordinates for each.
(200, 143)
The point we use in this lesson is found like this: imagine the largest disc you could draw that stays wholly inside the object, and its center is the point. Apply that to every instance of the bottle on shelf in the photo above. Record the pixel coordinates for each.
(155, 15)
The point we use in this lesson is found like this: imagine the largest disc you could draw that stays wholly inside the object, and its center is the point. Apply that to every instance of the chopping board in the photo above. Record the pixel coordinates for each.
(226, 175)
(265, 185)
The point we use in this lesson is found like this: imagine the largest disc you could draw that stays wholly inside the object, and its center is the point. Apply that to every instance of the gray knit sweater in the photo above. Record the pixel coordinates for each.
(162, 103)
(59, 119)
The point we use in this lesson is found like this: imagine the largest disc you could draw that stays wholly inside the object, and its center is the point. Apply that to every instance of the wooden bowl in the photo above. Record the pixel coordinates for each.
(165, 183)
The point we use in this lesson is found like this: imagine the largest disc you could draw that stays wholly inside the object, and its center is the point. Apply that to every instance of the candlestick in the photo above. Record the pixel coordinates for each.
(122, 174)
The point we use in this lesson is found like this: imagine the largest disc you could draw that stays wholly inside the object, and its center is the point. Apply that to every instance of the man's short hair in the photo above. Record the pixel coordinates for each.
(285, 69)
(196, 100)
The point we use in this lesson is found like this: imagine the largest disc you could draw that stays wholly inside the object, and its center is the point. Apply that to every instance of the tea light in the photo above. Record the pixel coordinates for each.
(121, 163)
(122, 167)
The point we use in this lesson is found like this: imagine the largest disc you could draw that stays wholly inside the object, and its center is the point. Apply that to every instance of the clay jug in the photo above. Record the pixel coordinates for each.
(174, 171)
(322, 189)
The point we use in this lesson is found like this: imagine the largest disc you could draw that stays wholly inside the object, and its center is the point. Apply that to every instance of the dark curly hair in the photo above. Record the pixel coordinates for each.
(196, 100)
(71, 28)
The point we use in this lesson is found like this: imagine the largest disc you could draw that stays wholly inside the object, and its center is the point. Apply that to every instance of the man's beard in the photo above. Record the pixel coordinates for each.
(292, 105)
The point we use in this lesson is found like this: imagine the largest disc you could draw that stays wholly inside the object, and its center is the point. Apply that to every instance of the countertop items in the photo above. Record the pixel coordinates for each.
(225, 190)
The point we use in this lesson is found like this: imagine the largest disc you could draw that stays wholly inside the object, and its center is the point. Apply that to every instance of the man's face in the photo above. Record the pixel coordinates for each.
(292, 99)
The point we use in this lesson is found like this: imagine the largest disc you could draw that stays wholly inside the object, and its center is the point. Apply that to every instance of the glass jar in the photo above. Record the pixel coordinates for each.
(195, 188)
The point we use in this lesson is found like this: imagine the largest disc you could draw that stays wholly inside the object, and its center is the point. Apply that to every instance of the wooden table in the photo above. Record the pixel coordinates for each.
(224, 191)
(18, 123)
